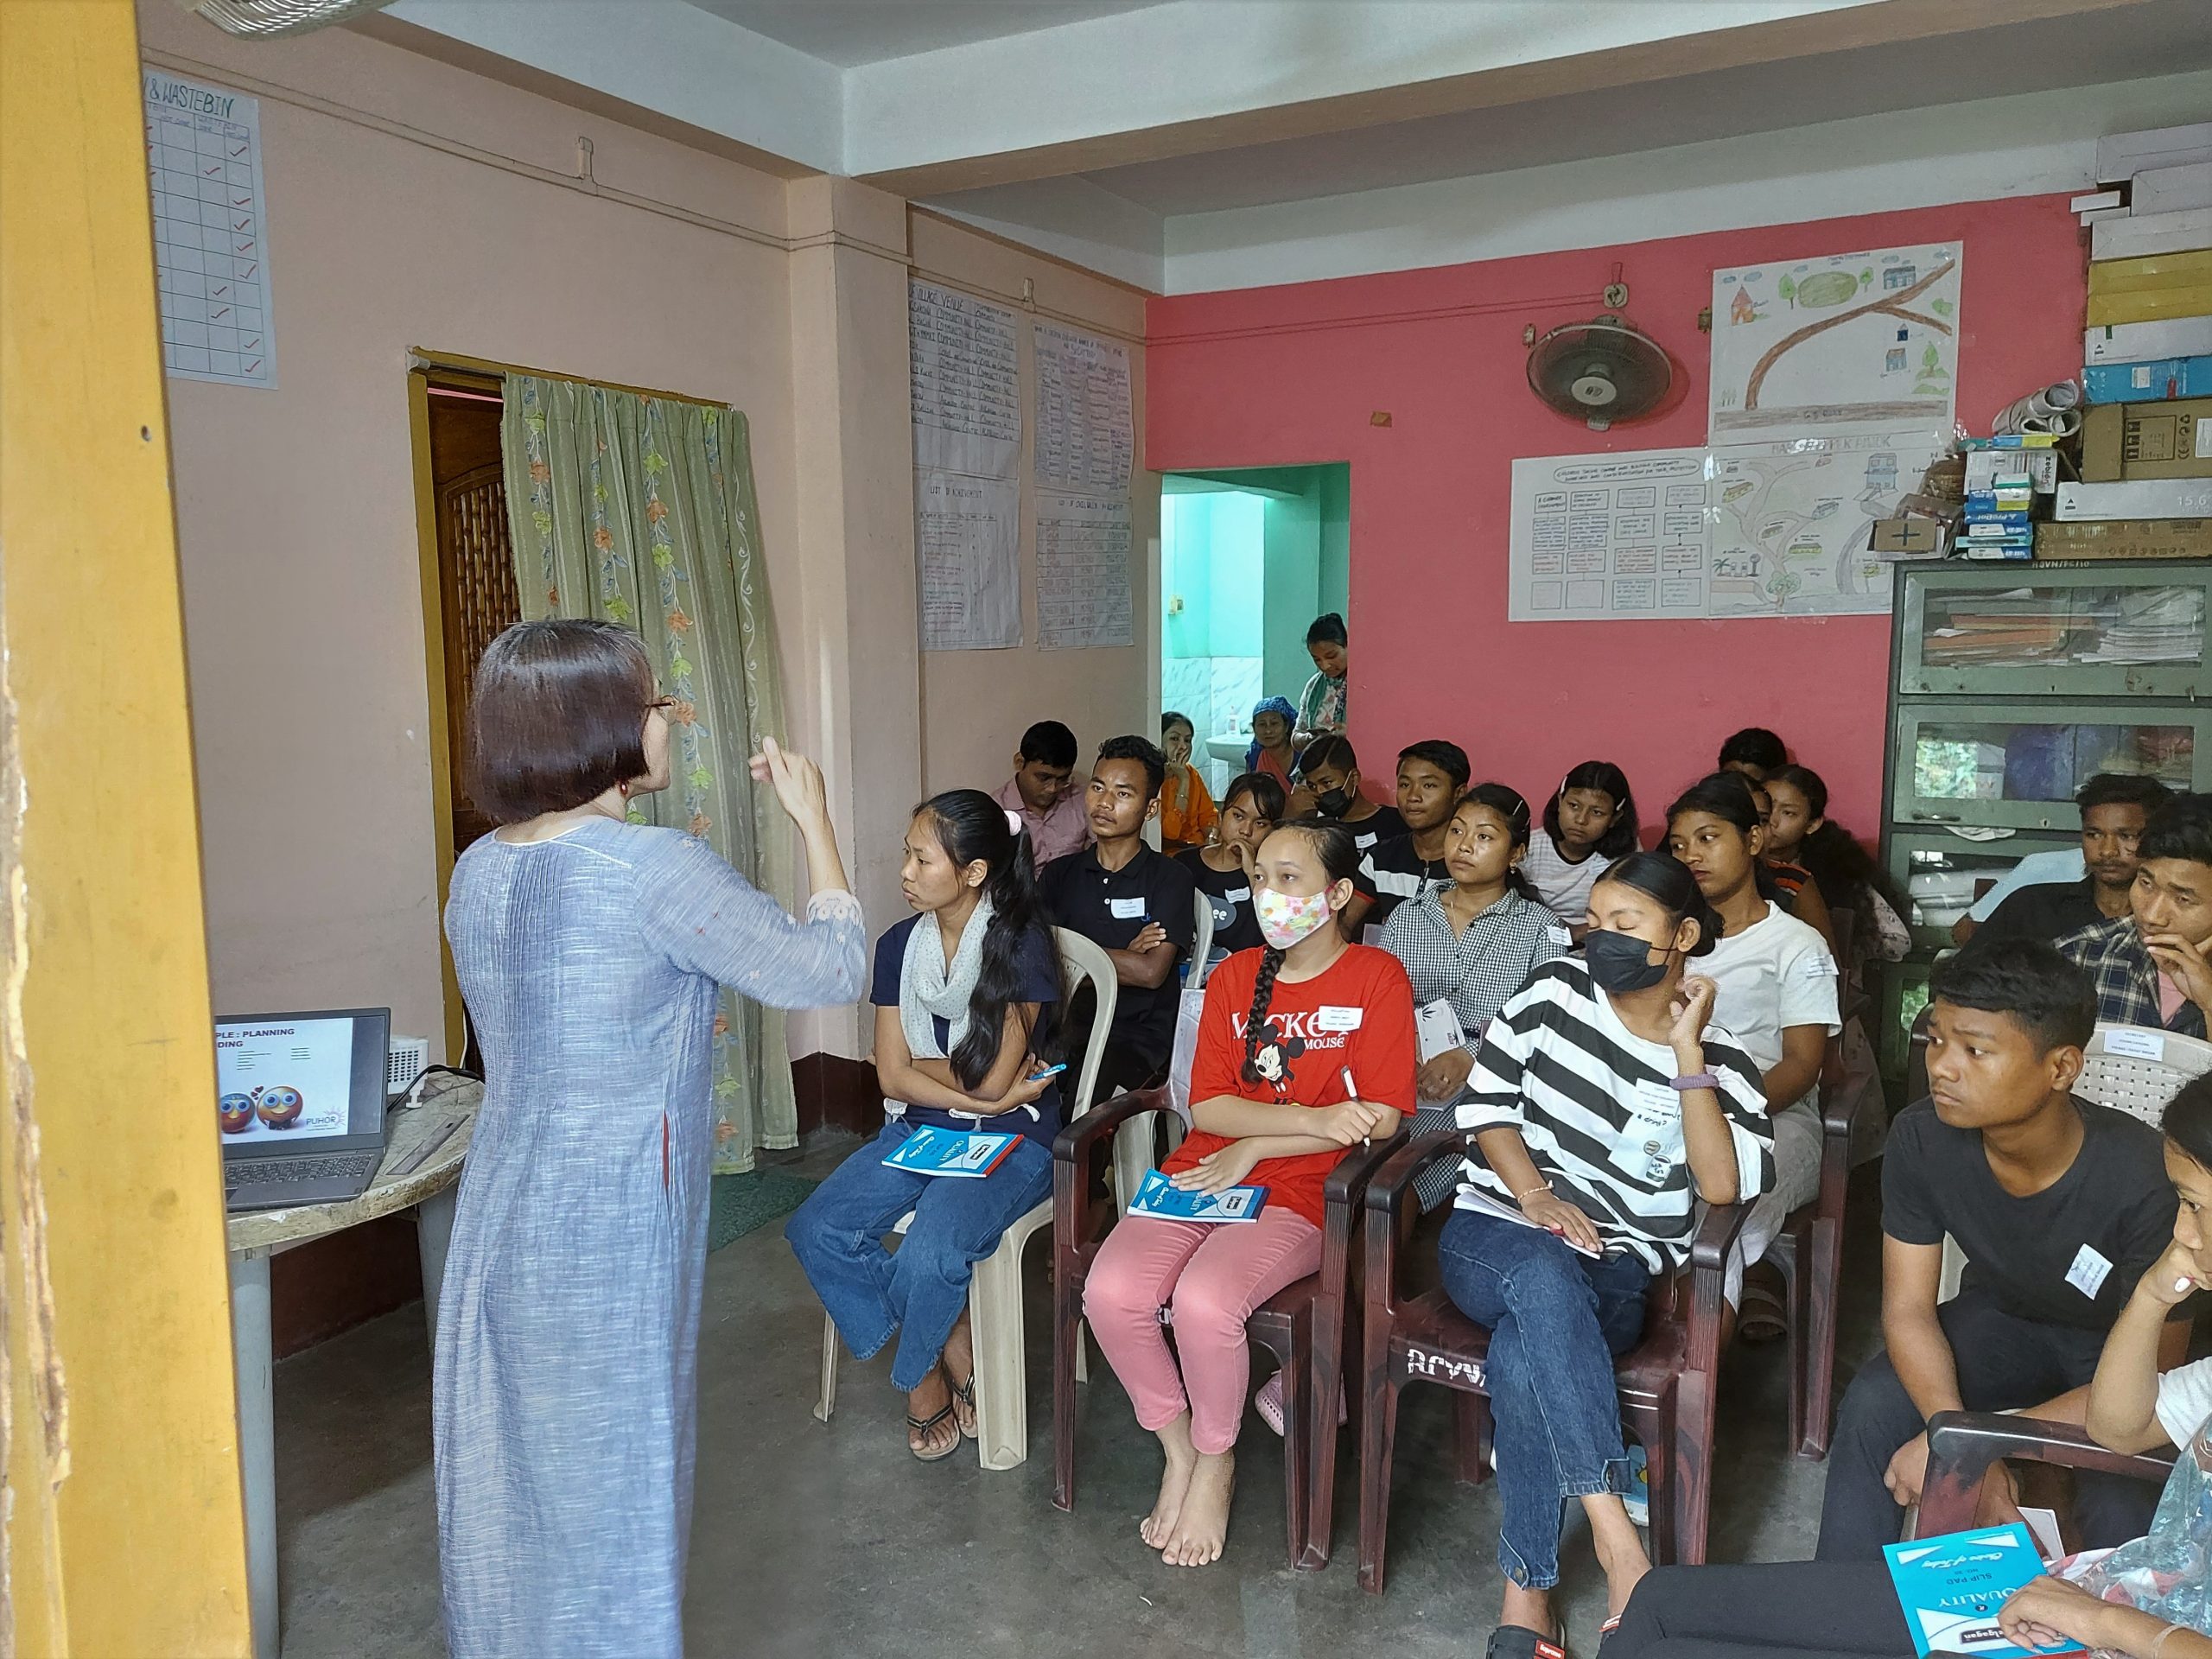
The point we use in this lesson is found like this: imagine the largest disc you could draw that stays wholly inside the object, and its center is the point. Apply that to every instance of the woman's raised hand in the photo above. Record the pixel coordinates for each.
(1692, 1008)
(797, 782)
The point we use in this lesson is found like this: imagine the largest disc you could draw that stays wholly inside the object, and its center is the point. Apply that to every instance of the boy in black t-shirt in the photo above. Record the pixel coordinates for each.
(1432, 774)
(1138, 905)
(2059, 1206)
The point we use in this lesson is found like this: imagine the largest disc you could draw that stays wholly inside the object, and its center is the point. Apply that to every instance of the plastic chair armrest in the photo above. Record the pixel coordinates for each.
(1963, 1445)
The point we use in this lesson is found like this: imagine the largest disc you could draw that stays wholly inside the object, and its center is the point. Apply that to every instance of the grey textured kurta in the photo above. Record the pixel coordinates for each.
(564, 1396)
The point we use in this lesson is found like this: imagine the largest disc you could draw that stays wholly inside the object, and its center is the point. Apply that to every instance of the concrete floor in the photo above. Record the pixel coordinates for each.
(809, 1540)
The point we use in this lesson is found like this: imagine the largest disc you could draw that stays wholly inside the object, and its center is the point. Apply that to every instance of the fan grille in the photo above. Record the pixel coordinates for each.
(1603, 369)
(251, 18)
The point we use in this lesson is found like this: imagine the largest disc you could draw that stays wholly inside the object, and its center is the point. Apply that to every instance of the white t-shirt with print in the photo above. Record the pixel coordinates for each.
(2185, 1401)
(1775, 974)
(1563, 887)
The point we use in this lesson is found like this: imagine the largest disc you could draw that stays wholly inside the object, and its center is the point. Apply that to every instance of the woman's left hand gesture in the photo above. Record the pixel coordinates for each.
(1217, 1171)
(1443, 1076)
(797, 782)
(2048, 1613)
(1692, 1008)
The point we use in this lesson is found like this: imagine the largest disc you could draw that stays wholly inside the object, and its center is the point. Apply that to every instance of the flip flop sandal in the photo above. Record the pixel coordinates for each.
(1519, 1642)
(1606, 1630)
(922, 1426)
(965, 1394)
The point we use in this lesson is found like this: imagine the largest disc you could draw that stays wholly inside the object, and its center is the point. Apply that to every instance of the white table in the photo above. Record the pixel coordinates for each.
(405, 1180)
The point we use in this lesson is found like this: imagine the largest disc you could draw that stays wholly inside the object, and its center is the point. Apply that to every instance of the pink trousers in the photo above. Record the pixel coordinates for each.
(1211, 1277)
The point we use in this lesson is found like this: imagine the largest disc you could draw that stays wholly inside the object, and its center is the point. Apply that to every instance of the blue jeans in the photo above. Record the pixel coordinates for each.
(1556, 1320)
(918, 1290)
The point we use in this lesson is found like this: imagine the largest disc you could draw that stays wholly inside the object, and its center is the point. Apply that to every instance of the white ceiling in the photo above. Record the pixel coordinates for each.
(848, 32)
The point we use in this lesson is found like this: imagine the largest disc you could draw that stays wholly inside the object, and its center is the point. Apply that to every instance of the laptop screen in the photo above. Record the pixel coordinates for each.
(298, 1080)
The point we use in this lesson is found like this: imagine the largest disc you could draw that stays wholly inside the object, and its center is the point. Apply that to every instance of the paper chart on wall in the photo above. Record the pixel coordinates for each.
(1777, 529)
(1084, 597)
(210, 260)
(967, 534)
(967, 389)
(1845, 344)
(1085, 438)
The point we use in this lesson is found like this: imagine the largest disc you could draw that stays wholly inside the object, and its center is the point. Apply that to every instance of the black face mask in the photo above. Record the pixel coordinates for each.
(1331, 804)
(1621, 962)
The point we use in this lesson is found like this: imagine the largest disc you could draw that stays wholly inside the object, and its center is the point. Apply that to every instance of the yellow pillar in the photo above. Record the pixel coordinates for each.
(124, 1531)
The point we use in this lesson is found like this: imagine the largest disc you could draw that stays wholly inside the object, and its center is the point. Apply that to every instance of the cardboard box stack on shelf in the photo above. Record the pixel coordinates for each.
(2002, 475)
(2146, 487)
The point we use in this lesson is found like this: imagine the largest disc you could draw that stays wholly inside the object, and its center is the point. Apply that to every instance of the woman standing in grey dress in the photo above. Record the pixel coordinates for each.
(588, 950)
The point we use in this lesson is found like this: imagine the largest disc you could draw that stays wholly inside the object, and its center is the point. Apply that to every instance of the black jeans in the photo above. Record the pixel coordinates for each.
(1804, 1610)
(2004, 1363)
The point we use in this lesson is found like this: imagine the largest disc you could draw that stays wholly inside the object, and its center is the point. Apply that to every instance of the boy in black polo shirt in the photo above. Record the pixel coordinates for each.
(2059, 1206)
(1135, 903)
(2114, 809)
(1432, 775)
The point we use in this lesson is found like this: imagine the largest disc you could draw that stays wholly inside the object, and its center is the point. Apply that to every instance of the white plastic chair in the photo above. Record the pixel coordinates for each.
(994, 1310)
(1201, 940)
(2132, 1069)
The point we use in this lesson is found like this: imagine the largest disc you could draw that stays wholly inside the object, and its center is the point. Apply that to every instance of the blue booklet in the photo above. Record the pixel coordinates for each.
(1157, 1196)
(933, 1151)
(1952, 1588)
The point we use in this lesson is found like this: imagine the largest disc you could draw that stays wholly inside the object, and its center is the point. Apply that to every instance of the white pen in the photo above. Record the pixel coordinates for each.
(1352, 1088)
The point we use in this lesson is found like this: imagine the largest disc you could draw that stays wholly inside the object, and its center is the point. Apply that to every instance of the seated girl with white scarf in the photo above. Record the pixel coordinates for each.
(964, 994)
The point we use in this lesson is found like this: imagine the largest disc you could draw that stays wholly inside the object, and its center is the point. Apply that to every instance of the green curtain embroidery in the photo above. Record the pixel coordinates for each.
(641, 511)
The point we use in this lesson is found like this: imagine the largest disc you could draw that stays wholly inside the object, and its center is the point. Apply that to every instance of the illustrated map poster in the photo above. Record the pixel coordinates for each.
(211, 261)
(1849, 344)
(1776, 529)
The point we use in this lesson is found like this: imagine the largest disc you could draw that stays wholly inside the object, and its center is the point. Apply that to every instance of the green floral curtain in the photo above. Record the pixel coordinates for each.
(640, 511)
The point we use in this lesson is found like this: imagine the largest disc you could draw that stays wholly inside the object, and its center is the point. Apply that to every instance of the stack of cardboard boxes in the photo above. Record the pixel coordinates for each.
(2145, 490)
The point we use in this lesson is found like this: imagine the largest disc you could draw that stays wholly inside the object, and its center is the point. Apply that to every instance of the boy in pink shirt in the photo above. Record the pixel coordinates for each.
(1043, 769)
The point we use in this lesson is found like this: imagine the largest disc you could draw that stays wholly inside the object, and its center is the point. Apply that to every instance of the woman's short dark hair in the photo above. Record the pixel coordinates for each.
(557, 717)
(1754, 746)
(1623, 835)
(2028, 982)
(1328, 628)
(2187, 1122)
(1667, 881)
(1265, 791)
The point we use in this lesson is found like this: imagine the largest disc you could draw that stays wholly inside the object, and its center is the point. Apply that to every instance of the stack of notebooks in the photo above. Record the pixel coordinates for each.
(2000, 496)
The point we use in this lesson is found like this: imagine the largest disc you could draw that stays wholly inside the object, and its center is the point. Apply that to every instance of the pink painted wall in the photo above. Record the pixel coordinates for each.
(1277, 376)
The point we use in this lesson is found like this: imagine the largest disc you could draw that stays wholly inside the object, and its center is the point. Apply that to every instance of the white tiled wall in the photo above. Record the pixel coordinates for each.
(1217, 693)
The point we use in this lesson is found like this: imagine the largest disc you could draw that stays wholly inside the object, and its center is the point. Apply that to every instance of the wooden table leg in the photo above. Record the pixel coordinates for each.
(249, 1338)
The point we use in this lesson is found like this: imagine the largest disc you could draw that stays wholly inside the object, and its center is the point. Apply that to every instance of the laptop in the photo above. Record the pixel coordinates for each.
(300, 1104)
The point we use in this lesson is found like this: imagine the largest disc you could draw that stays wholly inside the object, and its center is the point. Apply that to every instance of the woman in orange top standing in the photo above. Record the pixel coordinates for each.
(1186, 811)
(1273, 1102)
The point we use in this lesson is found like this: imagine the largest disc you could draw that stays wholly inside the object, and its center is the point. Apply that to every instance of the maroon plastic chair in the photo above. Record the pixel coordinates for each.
(1302, 1326)
(1963, 1446)
(1808, 1252)
(1666, 1382)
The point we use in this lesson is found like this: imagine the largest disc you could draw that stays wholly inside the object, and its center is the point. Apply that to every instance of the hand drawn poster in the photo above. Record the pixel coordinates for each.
(967, 391)
(967, 532)
(1843, 345)
(211, 258)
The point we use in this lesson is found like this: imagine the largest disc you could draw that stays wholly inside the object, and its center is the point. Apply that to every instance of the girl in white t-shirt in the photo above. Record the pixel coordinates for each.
(1777, 990)
(1589, 822)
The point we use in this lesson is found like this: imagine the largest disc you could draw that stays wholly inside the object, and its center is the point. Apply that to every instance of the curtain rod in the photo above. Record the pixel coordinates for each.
(423, 361)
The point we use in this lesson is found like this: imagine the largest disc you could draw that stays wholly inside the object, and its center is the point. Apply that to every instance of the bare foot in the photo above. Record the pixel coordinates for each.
(1531, 1610)
(958, 1364)
(1174, 1481)
(1202, 1527)
(1620, 1551)
(924, 1403)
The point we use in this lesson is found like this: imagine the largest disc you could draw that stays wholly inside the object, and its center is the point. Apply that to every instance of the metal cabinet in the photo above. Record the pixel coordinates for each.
(2131, 630)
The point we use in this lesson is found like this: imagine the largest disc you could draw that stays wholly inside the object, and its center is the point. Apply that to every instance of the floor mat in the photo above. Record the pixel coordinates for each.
(742, 1203)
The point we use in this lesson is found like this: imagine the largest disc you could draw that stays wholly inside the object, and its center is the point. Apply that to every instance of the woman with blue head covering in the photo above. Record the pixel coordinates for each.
(1272, 751)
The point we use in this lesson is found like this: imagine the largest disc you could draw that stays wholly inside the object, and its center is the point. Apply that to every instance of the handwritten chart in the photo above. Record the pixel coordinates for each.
(203, 159)
(966, 389)
(1083, 572)
(1085, 438)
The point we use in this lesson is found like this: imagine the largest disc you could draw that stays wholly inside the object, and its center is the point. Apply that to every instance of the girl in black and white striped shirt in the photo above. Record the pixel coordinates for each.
(1606, 1106)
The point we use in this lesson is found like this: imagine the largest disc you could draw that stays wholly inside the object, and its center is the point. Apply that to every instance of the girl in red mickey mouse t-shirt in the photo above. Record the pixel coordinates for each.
(1285, 1032)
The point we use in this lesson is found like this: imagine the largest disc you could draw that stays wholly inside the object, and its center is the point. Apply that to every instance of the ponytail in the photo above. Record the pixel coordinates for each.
(971, 826)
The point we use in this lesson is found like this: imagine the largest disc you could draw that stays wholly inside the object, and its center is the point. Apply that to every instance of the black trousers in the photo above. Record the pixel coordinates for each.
(2004, 1363)
(1802, 1610)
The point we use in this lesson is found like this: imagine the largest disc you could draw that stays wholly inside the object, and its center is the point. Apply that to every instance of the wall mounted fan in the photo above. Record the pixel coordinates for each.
(250, 18)
(1603, 371)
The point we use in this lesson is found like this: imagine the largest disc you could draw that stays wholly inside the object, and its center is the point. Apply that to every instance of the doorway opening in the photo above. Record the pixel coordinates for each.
(1248, 558)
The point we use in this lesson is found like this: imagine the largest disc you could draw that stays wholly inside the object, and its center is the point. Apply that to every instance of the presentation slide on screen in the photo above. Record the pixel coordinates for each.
(283, 1081)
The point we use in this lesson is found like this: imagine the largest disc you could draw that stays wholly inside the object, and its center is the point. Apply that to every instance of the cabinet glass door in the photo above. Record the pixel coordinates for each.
(2019, 766)
(1942, 875)
(2064, 633)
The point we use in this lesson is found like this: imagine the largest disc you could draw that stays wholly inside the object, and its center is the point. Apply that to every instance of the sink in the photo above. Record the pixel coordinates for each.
(1229, 746)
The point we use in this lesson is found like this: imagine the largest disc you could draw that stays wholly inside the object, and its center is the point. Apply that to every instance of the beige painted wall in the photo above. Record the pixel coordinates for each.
(976, 703)
(415, 204)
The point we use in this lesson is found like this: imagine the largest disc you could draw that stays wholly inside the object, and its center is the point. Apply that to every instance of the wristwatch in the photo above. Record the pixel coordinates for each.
(1701, 1080)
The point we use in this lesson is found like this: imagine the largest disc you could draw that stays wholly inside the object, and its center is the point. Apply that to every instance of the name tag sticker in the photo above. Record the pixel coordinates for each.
(2136, 1043)
(1125, 910)
(1329, 1017)
(2088, 1271)
(1650, 1143)
(1238, 895)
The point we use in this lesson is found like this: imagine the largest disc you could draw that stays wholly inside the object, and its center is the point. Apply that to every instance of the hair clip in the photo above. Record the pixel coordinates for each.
(1013, 823)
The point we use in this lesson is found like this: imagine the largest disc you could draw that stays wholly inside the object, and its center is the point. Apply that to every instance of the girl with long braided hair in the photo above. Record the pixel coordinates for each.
(1306, 1048)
